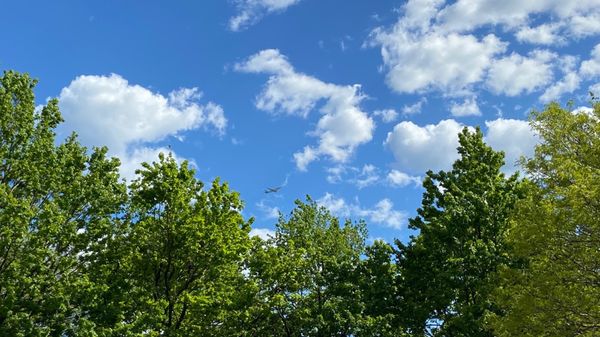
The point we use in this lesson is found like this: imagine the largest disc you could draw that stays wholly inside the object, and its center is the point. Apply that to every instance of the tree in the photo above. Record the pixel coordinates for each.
(57, 207)
(555, 289)
(307, 275)
(182, 253)
(447, 272)
(377, 292)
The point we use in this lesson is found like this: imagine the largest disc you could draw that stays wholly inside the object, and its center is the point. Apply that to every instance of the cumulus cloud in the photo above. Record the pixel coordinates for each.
(251, 11)
(595, 89)
(466, 15)
(343, 125)
(417, 61)
(415, 108)
(439, 45)
(468, 107)
(368, 175)
(569, 83)
(514, 137)
(401, 179)
(263, 233)
(386, 115)
(545, 34)
(418, 149)
(516, 74)
(382, 213)
(128, 118)
(270, 212)
(132, 159)
(433, 147)
(591, 68)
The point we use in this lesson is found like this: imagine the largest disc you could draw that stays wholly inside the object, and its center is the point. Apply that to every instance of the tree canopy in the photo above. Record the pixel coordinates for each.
(85, 253)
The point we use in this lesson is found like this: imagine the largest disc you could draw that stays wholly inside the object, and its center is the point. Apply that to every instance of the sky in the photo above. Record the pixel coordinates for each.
(350, 102)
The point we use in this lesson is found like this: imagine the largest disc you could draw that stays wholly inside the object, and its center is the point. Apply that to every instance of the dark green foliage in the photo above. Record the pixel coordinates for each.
(447, 272)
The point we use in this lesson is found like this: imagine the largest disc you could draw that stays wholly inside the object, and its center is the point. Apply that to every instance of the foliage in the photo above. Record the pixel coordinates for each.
(82, 254)
(56, 209)
(377, 291)
(555, 291)
(307, 275)
(446, 272)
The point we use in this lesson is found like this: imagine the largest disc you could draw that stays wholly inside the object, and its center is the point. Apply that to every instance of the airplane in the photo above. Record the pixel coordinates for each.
(276, 189)
(273, 189)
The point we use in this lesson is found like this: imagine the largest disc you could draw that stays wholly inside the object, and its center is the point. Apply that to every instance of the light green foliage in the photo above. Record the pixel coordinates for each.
(555, 290)
(446, 272)
(307, 275)
(183, 252)
(56, 209)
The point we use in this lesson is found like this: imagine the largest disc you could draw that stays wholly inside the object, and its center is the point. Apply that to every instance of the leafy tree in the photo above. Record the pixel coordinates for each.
(447, 271)
(307, 275)
(57, 207)
(555, 290)
(183, 252)
(377, 292)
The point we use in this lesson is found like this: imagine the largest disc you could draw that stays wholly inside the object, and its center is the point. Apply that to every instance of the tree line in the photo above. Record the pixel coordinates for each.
(82, 253)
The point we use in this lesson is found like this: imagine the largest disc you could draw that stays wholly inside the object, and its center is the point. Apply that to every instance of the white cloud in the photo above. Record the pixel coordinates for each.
(466, 15)
(337, 206)
(382, 213)
(514, 137)
(305, 157)
(468, 107)
(418, 149)
(401, 179)
(263, 233)
(583, 110)
(545, 34)
(335, 173)
(417, 61)
(369, 175)
(132, 160)
(251, 11)
(269, 211)
(343, 125)
(568, 84)
(386, 115)
(591, 68)
(585, 25)
(363, 177)
(433, 147)
(439, 45)
(107, 110)
(595, 89)
(516, 74)
(415, 108)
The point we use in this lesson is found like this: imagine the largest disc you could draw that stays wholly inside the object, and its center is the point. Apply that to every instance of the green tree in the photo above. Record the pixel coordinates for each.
(377, 292)
(555, 289)
(57, 206)
(307, 275)
(447, 272)
(183, 253)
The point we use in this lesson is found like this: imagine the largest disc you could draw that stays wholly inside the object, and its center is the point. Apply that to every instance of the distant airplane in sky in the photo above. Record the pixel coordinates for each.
(273, 189)
(276, 189)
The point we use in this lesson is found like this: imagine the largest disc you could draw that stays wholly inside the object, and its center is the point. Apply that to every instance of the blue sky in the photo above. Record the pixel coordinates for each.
(348, 101)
